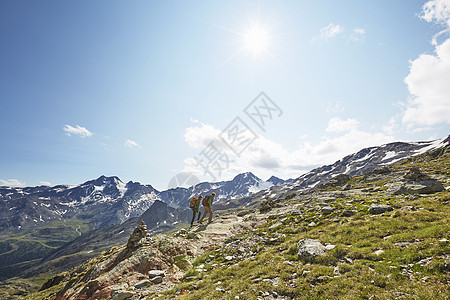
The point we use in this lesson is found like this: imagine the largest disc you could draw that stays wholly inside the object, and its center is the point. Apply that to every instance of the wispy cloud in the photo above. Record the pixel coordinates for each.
(131, 144)
(77, 130)
(330, 31)
(333, 30)
(357, 34)
(339, 125)
(12, 182)
(45, 183)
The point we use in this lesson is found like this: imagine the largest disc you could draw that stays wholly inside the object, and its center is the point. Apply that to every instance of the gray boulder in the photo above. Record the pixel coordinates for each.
(327, 210)
(156, 273)
(157, 279)
(308, 249)
(376, 209)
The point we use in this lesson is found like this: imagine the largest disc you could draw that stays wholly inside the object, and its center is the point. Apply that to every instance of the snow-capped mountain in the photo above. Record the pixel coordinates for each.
(103, 201)
(359, 163)
(278, 181)
(242, 185)
(107, 200)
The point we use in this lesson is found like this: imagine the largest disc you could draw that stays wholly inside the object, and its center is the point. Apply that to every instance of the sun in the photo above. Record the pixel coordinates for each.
(256, 40)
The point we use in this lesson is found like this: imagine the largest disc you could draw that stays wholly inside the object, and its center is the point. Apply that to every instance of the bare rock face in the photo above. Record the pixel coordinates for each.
(138, 234)
(415, 182)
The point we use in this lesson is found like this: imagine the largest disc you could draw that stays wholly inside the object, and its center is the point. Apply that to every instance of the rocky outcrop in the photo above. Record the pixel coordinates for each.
(414, 181)
(136, 237)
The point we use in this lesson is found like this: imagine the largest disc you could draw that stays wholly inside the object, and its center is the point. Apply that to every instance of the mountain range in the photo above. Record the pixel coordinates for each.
(53, 228)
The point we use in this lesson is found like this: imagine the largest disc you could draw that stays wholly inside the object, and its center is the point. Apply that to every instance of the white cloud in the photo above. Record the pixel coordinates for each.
(45, 183)
(266, 158)
(330, 31)
(429, 76)
(437, 11)
(131, 144)
(12, 182)
(78, 130)
(338, 125)
(357, 34)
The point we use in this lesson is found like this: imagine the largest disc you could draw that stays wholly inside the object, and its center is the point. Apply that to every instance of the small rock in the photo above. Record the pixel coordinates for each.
(444, 240)
(327, 210)
(229, 257)
(400, 294)
(330, 247)
(220, 289)
(348, 213)
(378, 252)
(275, 225)
(425, 261)
(336, 271)
(121, 294)
(312, 224)
(157, 279)
(376, 209)
(288, 263)
(155, 273)
(142, 284)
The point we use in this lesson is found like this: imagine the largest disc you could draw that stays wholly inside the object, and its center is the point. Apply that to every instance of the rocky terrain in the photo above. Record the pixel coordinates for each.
(380, 235)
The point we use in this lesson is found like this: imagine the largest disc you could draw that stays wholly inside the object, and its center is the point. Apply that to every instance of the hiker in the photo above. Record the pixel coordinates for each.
(195, 206)
(207, 206)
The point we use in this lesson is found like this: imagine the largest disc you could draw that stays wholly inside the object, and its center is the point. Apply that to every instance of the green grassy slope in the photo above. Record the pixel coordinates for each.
(18, 251)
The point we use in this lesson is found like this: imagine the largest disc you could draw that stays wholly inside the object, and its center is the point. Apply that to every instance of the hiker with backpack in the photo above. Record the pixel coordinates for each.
(207, 206)
(195, 206)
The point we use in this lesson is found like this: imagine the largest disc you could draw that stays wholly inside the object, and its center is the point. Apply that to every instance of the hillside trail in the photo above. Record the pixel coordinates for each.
(210, 236)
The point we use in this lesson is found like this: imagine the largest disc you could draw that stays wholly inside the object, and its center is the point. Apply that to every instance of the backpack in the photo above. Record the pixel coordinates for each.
(205, 200)
(193, 201)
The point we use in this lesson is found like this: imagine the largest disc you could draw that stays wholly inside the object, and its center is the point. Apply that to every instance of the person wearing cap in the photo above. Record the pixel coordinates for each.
(207, 207)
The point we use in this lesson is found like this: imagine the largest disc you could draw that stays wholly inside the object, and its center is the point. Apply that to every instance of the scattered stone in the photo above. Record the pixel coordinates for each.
(157, 279)
(425, 261)
(443, 240)
(229, 257)
(336, 271)
(312, 224)
(276, 225)
(121, 294)
(377, 209)
(286, 262)
(330, 247)
(141, 284)
(220, 289)
(327, 210)
(348, 213)
(400, 294)
(193, 236)
(379, 252)
(155, 273)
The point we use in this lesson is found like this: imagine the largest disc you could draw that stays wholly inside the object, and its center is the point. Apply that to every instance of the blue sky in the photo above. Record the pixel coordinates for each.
(140, 89)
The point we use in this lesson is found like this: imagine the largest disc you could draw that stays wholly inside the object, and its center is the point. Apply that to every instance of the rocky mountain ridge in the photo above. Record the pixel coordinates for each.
(106, 201)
